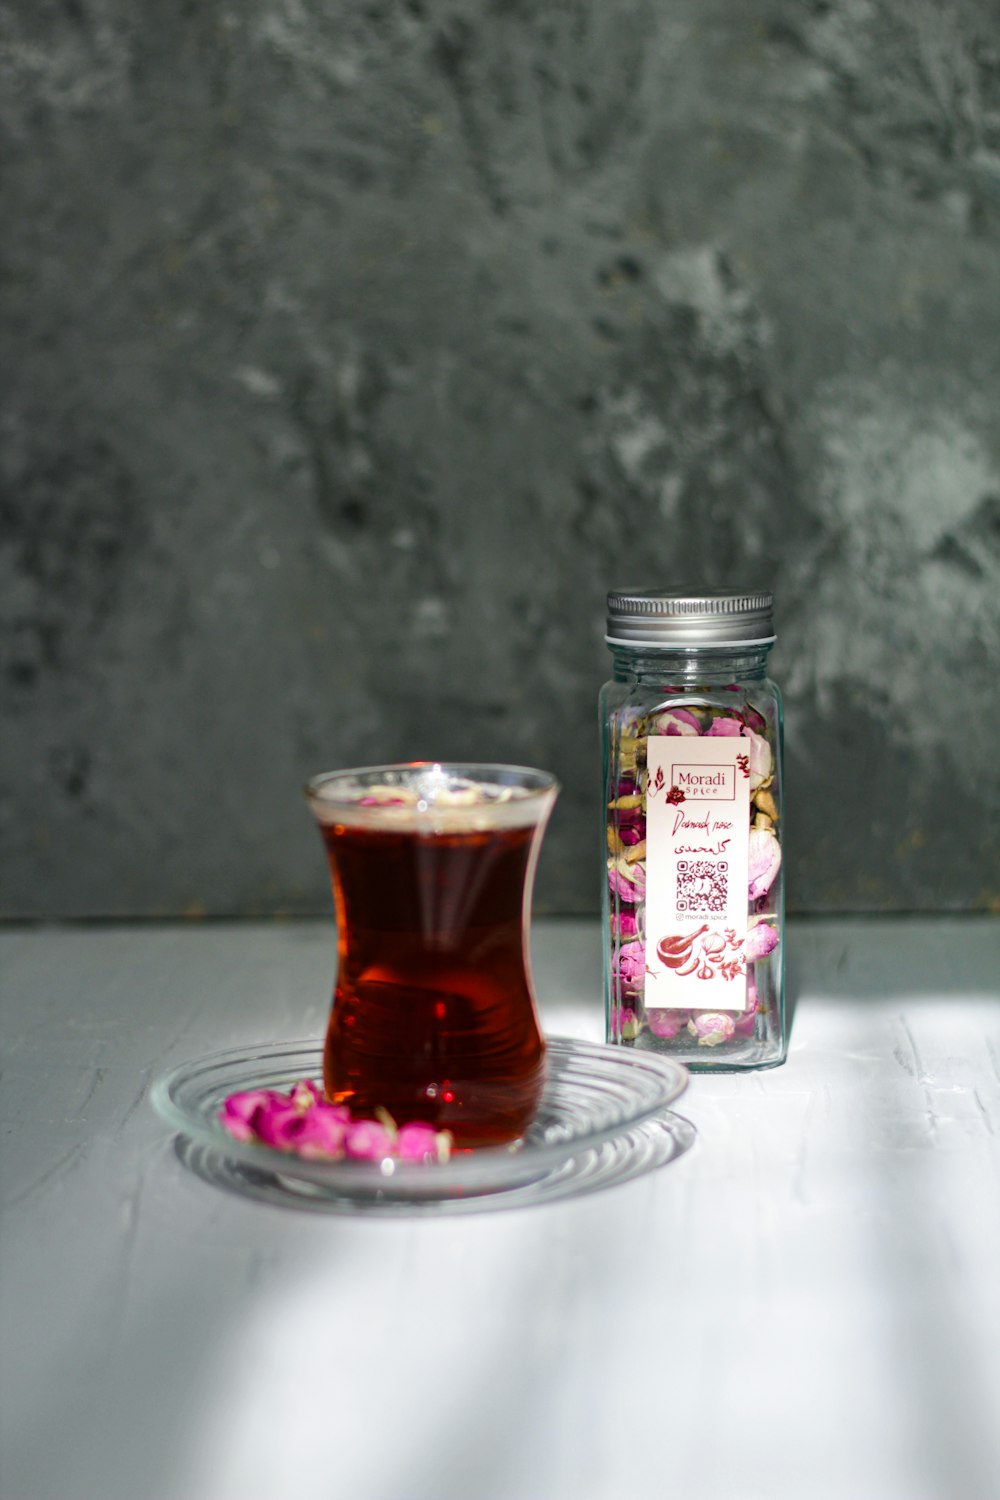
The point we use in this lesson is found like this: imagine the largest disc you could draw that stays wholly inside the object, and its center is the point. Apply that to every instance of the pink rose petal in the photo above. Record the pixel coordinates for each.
(630, 887)
(711, 1027)
(418, 1142)
(632, 965)
(625, 924)
(279, 1125)
(765, 861)
(761, 759)
(239, 1111)
(724, 726)
(624, 1023)
(760, 941)
(367, 1140)
(666, 1023)
(302, 1122)
(306, 1093)
(322, 1133)
(677, 721)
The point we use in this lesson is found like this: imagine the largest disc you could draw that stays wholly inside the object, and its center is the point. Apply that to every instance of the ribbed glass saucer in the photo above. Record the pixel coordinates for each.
(593, 1095)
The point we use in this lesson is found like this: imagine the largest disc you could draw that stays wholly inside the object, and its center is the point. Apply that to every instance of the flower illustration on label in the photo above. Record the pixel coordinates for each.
(675, 795)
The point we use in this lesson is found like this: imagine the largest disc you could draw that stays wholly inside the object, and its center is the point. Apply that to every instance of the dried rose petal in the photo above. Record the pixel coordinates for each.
(627, 882)
(677, 721)
(630, 818)
(631, 720)
(624, 1023)
(761, 940)
(711, 1027)
(367, 1140)
(239, 1111)
(666, 1023)
(280, 1124)
(306, 1093)
(632, 870)
(419, 1142)
(632, 964)
(724, 726)
(625, 924)
(765, 861)
(761, 759)
(322, 1133)
(619, 884)
(302, 1122)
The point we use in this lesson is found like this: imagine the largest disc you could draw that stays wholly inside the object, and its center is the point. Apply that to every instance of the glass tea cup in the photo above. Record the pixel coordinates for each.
(434, 1015)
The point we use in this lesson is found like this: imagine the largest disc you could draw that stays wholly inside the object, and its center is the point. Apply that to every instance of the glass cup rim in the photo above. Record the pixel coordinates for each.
(535, 784)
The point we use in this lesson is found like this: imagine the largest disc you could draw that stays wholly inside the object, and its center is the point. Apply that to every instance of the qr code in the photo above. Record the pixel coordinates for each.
(702, 886)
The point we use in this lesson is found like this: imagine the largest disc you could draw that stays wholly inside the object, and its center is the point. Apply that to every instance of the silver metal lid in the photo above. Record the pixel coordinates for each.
(711, 617)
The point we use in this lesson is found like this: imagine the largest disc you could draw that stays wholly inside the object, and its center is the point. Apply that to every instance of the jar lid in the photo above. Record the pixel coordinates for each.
(711, 617)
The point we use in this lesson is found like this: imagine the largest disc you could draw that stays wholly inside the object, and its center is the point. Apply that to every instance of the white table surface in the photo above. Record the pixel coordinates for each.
(806, 1304)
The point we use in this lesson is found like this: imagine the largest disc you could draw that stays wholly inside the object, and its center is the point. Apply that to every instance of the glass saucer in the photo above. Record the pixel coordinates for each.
(593, 1094)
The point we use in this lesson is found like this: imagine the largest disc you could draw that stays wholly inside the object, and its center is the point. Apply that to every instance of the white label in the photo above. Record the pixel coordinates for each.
(697, 871)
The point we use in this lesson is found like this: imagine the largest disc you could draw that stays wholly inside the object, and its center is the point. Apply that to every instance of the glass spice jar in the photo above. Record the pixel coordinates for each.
(693, 894)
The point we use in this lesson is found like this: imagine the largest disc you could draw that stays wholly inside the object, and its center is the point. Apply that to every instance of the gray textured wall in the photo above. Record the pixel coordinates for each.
(352, 351)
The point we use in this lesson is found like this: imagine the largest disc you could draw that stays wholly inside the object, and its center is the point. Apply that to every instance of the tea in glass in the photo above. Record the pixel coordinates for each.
(434, 1014)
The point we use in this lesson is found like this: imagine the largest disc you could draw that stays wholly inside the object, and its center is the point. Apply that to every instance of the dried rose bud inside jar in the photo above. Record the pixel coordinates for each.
(693, 895)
